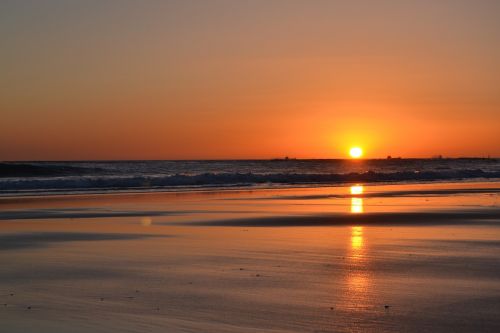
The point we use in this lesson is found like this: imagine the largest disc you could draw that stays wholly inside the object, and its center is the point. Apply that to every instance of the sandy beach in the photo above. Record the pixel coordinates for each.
(226, 166)
(412, 258)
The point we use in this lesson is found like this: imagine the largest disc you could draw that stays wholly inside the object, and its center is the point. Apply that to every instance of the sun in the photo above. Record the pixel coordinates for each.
(356, 152)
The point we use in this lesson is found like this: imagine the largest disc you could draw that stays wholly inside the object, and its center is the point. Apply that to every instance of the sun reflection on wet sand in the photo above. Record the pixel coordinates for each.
(357, 189)
(356, 203)
(357, 279)
(146, 221)
(358, 283)
(356, 239)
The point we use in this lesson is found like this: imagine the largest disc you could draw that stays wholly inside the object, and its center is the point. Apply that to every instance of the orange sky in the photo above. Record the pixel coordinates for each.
(257, 79)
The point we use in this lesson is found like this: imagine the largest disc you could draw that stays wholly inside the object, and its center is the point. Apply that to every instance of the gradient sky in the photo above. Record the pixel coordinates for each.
(248, 79)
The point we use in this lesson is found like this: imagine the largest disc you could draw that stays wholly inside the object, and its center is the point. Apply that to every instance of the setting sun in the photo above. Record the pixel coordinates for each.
(356, 152)
(352, 144)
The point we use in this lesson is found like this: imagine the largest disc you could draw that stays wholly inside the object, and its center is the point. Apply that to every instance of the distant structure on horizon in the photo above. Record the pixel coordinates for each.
(286, 158)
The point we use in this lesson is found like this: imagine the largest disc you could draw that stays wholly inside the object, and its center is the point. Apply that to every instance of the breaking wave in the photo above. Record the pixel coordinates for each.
(9, 185)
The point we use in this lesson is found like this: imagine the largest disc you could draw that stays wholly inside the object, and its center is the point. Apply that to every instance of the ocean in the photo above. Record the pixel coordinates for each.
(40, 178)
(31, 178)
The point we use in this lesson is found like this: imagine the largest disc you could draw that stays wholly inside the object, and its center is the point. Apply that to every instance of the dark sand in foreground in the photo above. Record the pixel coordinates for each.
(392, 258)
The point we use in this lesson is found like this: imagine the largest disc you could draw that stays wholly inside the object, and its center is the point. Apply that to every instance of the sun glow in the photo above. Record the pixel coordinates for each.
(356, 152)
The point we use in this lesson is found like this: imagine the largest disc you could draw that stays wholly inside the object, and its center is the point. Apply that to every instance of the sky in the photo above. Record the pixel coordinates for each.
(248, 79)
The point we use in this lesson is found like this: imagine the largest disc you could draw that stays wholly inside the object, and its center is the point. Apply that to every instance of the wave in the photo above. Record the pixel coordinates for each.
(110, 183)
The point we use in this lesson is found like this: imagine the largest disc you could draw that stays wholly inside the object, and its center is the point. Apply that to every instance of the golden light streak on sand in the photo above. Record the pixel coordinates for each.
(356, 238)
(356, 205)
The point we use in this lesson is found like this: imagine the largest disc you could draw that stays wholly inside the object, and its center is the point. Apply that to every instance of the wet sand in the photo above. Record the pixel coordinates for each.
(385, 258)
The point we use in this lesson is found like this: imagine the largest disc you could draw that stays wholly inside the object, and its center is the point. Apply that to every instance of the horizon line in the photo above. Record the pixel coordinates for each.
(277, 159)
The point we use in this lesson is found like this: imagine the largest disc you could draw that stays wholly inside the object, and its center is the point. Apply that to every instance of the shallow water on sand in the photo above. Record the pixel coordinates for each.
(334, 259)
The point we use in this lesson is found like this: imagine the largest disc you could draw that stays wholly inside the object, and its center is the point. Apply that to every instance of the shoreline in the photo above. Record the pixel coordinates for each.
(233, 188)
